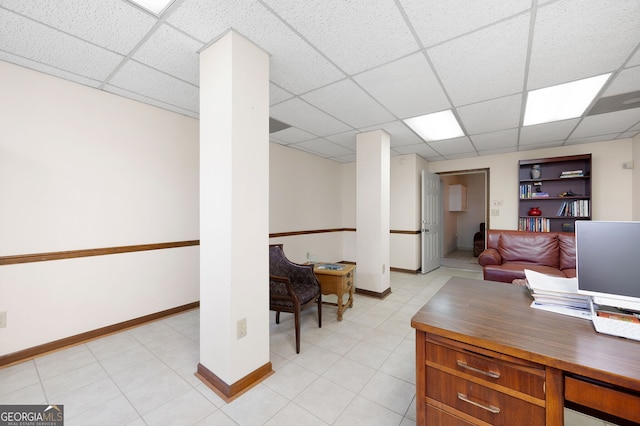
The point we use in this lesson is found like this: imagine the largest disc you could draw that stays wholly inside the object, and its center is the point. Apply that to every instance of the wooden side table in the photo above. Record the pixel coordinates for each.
(338, 282)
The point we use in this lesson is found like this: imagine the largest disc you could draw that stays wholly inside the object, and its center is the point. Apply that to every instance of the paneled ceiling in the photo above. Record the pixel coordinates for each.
(340, 67)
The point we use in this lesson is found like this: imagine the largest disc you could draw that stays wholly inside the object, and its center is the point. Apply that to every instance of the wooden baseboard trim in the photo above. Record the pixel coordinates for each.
(230, 392)
(374, 294)
(36, 351)
(408, 271)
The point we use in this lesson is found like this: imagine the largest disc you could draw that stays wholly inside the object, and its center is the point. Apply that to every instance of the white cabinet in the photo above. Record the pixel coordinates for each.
(457, 198)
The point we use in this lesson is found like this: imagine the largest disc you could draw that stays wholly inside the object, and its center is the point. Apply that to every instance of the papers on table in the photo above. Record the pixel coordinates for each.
(556, 294)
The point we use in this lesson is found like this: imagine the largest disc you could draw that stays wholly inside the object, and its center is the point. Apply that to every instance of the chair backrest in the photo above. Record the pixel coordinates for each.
(279, 265)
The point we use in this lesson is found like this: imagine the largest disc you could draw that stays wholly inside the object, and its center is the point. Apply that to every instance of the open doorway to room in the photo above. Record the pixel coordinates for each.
(465, 217)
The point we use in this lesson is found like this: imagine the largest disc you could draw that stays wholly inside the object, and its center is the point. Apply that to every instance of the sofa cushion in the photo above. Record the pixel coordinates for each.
(537, 248)
(510, 271)
(567, 244)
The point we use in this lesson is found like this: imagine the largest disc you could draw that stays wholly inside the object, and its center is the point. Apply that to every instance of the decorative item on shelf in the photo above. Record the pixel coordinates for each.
(535, 211)
(535, 171)
(568, 193)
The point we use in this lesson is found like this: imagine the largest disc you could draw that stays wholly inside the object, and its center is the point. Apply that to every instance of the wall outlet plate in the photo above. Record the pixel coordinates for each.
(3, 319)
(242, 328)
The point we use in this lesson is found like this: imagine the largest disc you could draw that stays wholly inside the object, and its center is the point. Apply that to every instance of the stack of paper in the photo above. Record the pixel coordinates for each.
(557, 294)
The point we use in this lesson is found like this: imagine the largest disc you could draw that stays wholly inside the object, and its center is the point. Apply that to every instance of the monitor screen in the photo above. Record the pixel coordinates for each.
(608, 259)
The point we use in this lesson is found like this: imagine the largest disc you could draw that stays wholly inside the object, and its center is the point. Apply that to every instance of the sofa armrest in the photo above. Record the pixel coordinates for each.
(490, 256)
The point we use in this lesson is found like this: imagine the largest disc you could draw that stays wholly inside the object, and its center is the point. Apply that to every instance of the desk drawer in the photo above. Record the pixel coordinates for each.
(480, 402)
(603, 398)
(526, 379)
(435, 416)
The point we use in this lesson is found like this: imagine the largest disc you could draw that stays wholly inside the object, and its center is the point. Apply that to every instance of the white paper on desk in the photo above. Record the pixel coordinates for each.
(546, 283)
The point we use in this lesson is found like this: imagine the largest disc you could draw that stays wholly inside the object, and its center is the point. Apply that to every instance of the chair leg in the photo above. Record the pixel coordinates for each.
(320, 311)
(277, 317)
(297, 322)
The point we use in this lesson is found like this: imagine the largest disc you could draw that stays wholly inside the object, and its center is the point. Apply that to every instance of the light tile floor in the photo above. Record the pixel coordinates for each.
(360, 371)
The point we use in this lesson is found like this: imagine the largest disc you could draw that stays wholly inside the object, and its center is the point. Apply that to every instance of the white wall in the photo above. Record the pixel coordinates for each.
(636, 177)
(611, 184)
(305, 194)
(82, 169)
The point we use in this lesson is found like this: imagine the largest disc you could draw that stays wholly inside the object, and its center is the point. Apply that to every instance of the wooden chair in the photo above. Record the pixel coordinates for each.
(293, 288)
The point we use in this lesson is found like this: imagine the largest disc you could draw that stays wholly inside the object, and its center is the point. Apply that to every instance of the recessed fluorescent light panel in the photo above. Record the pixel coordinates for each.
(153, 6)
(563, 101)
(436, 126)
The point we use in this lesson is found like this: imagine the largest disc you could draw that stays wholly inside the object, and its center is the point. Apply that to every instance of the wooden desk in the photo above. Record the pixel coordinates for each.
(483, 356)
(337, 282)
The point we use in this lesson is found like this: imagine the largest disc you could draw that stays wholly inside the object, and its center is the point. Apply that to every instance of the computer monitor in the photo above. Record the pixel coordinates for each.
(608, 262)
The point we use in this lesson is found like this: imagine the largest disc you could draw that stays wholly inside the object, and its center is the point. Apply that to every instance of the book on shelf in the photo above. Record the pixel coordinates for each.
(571, 173)
(534, 224)
(557, 294)
(575, 208)
(540, 195)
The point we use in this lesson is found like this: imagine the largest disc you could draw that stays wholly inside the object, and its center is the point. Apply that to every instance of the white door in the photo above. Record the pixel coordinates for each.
(430, 222)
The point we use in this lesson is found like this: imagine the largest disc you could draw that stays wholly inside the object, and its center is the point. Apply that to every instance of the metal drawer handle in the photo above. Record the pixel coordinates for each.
(477, 370)
(490, 408)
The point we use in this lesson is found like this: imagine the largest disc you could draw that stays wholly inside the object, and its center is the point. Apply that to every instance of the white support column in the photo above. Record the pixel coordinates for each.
(373, 212)
(234, 214)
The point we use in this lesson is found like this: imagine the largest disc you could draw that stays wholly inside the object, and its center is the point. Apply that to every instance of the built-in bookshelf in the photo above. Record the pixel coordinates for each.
(559, 187)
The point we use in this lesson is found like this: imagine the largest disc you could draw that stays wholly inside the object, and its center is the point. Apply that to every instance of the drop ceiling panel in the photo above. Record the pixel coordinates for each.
(294, 64)
(138, 78)
(324, 148)
(576, 39)
(591, 139)
(150, 101)
(399, 132)
(547, 132)
(46, 69)
(113, 24)
(346, 100)
(184, 62)
(432, 19)
(346, 139)
(353, 34)
(496, 140)
(408, 87)
(489, 116)
(453, 146)
(26, 38)
(627, 81)
(485, 64)
(602, 124)
(300, 114)
(291, 135)
(635, 59)
(276, 94)
(422, 149)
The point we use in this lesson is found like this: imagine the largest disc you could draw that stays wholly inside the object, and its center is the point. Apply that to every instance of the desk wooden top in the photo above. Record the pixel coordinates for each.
(497, 316)
(347, 268)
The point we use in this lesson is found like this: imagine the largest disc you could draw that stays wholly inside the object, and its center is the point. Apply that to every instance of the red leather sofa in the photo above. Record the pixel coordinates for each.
(509, 253)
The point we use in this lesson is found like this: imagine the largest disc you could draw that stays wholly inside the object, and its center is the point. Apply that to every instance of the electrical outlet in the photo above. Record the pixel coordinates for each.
(242, 328)
(3, 319)
(495, 212)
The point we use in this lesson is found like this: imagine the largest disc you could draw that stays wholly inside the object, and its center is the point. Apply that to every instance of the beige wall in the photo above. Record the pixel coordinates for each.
(636, 177)
(82, 169)
(611, 184)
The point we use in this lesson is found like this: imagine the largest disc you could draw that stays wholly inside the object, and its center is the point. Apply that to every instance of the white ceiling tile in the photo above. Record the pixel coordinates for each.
(453, 146)
(575, 39)
(635, 59)
(277, 94)
(489, 116)
(407, 87)
(547, 132)
(294, 65)
(56, 72)
(298, 113)
(150, 101)
(591, 139)
(346, 100)
(485, 64)
(351, 158)
(627, 135)
(400, 133)
(432, 19)
(496, 140)
(27, 38)
(184, 62)
(460, 155)
(602, 124)
(138, 78)
(540, 145)
(353, 34)
(346, 139)
(627, 81)
(112, 24)
(422, 149)
(323, 147)
(498, 151)
(292, 135)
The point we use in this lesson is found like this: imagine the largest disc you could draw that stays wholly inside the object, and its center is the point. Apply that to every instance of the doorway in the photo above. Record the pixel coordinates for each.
(461, 227)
